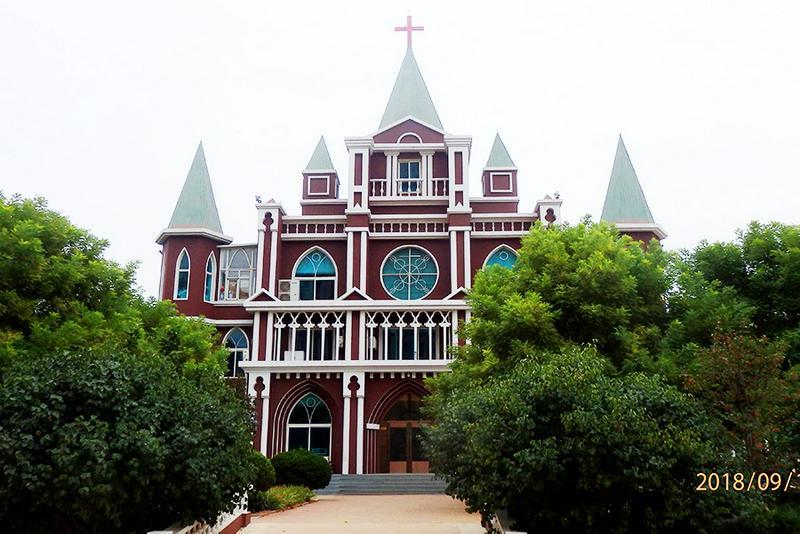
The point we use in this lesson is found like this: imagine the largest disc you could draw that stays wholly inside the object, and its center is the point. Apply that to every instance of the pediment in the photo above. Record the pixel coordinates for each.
(409, 130)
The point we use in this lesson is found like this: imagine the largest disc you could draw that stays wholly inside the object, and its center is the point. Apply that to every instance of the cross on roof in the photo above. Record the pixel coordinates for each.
(408, 28)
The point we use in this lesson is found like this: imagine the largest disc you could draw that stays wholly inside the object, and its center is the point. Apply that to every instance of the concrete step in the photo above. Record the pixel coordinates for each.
(384, 484)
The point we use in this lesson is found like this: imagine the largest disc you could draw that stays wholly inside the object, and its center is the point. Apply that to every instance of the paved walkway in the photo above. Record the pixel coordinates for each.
(362, 514)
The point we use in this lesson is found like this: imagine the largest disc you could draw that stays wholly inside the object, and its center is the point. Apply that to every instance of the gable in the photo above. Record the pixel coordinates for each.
(417, 132)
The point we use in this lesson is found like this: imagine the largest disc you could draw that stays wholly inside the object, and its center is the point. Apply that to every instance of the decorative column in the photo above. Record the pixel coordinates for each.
(258, 389)
(426, 172)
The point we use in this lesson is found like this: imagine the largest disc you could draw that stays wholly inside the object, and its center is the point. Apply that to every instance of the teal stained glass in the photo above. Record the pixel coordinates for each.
(208, 294)
(503, 257)
(316, 263)
(409, 273)
(236, 340)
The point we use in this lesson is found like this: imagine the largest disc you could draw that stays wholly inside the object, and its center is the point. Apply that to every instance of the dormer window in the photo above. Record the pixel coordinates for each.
(409, 181)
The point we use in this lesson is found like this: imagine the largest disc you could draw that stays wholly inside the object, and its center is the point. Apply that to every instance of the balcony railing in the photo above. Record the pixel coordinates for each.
(301, 336)
(408, 187)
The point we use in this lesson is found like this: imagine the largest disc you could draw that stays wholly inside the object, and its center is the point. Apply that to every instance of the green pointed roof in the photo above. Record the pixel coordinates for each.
(320, 159)
(410, 96)
(625, 201)
(196, 207)
(499, 157)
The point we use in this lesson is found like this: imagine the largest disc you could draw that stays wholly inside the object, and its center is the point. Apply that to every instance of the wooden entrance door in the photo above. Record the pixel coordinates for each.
(399, 439)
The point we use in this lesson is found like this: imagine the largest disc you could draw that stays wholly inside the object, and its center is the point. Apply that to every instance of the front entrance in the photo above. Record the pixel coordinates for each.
(399, 438)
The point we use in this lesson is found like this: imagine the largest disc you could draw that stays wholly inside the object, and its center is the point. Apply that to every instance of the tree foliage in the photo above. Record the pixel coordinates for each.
(102, 442)
(714, 321)
(564, 447)
(113, 411)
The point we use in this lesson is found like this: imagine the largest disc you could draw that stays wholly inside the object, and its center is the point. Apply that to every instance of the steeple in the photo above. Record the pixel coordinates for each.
(320, 180)
(499, 157)
(625, 204)
(320, 159)
(499, 177)
(625, 200)
(410, 97)
(196, 210)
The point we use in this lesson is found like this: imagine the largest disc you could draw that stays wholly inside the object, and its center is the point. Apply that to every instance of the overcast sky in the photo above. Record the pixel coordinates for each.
(102, 104)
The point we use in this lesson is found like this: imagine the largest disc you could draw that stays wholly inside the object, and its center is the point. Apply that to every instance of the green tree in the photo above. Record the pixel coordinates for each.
(111, 405)
(758, 279)
(117, 442)
(570, 284)
(740, 381)
(564, 447)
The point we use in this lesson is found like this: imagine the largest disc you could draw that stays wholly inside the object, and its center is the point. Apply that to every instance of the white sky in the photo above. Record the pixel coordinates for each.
(102, 104)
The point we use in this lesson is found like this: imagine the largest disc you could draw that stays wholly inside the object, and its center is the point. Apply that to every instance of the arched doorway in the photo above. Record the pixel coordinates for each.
(399, 437)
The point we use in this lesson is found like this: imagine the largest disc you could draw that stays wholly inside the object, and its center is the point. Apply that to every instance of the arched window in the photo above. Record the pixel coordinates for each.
(238, 348)
(503, 255)
(237, 273)
(211, 271)
(409, 273)
(316, 273)
(310, 426)
(182, 267)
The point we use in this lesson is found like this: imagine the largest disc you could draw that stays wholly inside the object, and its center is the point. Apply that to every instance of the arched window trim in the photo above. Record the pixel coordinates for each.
(426, 251)
(211, 276)
(232, 279)
(335, 276)
(310, 425)
(244, 350)
(178, 271)
(498, 249)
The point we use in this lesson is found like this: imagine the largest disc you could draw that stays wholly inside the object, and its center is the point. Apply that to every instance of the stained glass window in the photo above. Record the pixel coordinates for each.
(182, 276)
(409, 273)
(211, 268)
(505, 257)
(317, 276)
(310, 426)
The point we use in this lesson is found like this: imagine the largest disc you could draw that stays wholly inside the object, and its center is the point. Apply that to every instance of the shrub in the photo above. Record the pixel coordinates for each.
(264, 472)
(115, 442)
(300, 467)
(279, 498)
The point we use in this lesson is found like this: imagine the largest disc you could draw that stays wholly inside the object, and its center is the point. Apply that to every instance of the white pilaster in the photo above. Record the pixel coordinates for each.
(350, 266)
(453, 261)
(467, 260)
(256, 336)
(360, 419)
(346, 428)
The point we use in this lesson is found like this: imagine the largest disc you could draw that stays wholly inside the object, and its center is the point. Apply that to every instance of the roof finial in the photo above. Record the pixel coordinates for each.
(408, 28)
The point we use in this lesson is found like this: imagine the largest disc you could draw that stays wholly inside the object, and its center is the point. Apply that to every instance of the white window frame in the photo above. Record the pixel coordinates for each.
(325, 177)
(417, 180)
(494, 189)
(309, 426)
(213, 275)
(226, 256)
(245, 357)
(314, 279)
(178, 271)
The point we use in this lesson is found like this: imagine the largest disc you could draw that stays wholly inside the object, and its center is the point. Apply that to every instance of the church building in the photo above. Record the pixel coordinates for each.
(335, 316)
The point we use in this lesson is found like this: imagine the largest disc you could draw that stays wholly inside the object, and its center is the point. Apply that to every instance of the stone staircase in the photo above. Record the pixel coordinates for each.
(384, 484)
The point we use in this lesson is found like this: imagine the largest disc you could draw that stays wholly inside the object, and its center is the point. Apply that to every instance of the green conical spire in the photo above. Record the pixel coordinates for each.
(499, 157)
(625, 201)
(410, 96)
(320, 159)
(196, 207)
